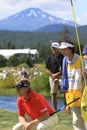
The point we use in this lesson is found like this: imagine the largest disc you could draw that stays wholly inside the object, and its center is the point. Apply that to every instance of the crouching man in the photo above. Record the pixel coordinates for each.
(35, 106)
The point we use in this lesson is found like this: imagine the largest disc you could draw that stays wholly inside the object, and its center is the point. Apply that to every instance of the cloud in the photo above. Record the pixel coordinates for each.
(58, 8)
(55, 7)
(83, 18)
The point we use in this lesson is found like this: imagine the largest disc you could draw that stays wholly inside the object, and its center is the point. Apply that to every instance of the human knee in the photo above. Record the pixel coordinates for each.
(49, 124)
(18, 126)
(41, 127)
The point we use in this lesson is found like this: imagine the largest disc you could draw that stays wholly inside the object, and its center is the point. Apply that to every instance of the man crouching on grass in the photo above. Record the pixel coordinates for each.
(35, 106)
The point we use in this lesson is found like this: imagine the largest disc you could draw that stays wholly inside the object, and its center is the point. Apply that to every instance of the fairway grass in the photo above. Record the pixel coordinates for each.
(8, 119)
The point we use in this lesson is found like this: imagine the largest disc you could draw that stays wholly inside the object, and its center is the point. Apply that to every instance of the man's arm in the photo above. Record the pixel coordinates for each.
(55, 75)
(49, 72)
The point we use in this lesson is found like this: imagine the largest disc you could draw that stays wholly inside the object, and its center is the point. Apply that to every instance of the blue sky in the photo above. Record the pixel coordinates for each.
(58, 8)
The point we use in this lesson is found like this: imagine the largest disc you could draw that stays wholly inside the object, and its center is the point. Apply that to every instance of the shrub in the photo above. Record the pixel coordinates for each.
(41, 83)
(8, 82)
(2, 61)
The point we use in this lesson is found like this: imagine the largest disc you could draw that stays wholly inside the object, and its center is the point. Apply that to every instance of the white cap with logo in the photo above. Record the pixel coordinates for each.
(55, 45)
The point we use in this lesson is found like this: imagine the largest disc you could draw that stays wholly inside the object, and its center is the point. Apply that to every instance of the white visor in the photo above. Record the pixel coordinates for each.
(65, 45)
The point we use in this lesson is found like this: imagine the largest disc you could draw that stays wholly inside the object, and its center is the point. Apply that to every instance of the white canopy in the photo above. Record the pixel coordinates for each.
(33, 51)
(9, 52)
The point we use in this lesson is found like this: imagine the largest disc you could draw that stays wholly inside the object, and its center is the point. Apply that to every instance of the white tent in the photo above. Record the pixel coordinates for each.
(33, 51)
(34, 54)
(10, 52)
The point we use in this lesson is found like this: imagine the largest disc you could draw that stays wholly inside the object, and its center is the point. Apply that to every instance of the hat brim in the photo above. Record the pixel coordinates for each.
(63, 47)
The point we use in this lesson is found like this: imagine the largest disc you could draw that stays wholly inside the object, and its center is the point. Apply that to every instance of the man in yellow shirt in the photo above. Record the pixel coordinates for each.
(74, 89)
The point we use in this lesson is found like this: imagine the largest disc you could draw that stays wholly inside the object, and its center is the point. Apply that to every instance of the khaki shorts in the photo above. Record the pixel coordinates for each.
(49, 124)
(54, 85)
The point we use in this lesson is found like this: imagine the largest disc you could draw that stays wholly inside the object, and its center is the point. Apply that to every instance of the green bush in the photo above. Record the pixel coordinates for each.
(8, 82)
(41, 84)
(2, 61)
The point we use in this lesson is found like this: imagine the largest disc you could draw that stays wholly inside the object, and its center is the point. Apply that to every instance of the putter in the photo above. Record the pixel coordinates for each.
(75, 99)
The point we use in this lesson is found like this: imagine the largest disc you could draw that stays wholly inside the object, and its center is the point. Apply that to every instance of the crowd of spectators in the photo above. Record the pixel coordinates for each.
(20, 72)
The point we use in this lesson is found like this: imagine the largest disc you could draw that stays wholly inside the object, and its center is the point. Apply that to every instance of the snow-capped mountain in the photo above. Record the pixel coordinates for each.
(31, 19)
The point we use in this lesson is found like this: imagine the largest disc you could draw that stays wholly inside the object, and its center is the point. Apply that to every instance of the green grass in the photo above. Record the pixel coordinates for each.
(12, 92)
(8, 91)
(65, 121)
(8, 119)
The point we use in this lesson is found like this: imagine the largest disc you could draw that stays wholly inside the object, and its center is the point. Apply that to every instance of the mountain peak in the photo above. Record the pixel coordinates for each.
(30, 19)
(28, 12)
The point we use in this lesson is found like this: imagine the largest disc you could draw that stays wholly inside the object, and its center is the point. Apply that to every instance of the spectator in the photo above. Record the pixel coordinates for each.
(24, 73)
(36, 107)
(53, 69)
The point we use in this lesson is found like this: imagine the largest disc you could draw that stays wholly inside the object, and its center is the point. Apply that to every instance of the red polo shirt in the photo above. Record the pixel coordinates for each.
(34, 107)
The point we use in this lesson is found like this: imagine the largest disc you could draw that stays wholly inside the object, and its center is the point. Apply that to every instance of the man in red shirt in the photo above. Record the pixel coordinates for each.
(36, 107)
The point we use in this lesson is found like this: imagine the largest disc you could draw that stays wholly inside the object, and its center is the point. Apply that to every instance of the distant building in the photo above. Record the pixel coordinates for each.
(33, 53)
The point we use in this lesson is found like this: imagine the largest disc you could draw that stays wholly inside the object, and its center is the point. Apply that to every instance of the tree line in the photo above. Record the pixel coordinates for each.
(38, 40)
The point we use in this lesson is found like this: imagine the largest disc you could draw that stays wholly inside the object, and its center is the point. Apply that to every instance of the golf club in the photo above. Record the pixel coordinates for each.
(75, 99)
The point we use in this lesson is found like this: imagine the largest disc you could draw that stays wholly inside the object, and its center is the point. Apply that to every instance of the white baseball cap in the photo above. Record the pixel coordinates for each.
(55, 45)
(65, 45)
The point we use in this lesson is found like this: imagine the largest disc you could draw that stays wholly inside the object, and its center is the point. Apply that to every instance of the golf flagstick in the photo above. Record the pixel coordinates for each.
(66, 105)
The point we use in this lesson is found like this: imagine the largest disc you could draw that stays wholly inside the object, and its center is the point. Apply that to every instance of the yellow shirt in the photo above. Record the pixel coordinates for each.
(75, 82)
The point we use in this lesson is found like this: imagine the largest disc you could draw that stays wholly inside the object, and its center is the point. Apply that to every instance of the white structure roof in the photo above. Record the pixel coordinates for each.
(9, 52)
(33, 51)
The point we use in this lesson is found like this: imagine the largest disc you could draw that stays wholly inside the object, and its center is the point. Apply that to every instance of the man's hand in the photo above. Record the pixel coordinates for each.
(27, 126)
(54, 76)
(67, 109)
(84, 73)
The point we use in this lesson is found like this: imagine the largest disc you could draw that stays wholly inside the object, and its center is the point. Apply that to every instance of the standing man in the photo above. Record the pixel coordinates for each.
(74, 77)
(53, 69)
(36, 108)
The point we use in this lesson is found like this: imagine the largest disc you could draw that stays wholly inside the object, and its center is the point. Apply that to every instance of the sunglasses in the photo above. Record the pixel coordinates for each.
(21, 84)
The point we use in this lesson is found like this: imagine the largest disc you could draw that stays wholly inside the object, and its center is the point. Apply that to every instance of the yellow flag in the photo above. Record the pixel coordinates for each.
(84, 105)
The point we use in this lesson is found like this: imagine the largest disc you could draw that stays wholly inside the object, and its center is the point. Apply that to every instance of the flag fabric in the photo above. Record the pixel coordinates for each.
(84, 105)
(84, 96)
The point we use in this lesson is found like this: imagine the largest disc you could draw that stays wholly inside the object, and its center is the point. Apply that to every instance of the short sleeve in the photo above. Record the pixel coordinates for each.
(20, 107)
